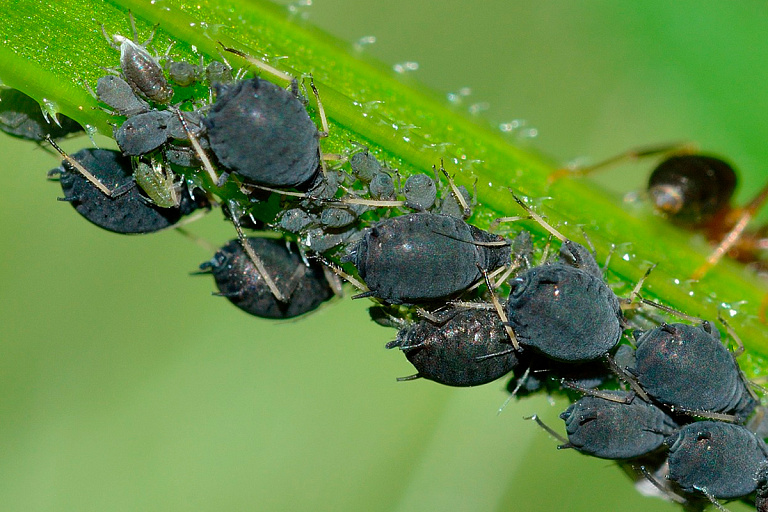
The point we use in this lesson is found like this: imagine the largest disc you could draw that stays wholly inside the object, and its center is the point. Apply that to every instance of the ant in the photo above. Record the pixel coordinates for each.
(694, 191)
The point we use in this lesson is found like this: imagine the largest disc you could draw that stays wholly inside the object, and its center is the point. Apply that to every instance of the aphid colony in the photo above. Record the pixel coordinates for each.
(559, 323)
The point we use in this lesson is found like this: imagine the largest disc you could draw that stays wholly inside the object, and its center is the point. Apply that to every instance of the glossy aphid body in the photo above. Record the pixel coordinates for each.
(454, 350)
(263, 134)
(620, 429)
(564, 309)
(423, 257)
(141, 70)
(127, 211)
(688, 368)
(303, 285)
(718, 459)
(21, 116)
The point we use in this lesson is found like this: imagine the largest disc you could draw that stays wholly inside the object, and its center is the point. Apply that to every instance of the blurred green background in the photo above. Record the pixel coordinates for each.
(125, 386)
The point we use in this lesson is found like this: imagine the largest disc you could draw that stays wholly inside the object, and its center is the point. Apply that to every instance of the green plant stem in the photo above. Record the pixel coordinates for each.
(50, 51)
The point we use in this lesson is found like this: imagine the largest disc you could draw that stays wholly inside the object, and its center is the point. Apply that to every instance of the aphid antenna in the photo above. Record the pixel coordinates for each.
(500, 243)
(344, 275)
(201, 242)
(652, 479)
(605, 395)
(733, 235)
(711, 497)
(199, 150)
(88, 175)
(545, 252)
(538, 218)
(514, 392)
(550, 431)
(410, 377)
(682, 148)
(260, 268)
(732, 333)
(465, 209)
(671, 311)
(499, 309)
(267, 68)
(625, 376)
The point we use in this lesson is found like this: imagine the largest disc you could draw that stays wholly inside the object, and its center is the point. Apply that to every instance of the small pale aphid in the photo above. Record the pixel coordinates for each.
(159, 182)
(140, 69)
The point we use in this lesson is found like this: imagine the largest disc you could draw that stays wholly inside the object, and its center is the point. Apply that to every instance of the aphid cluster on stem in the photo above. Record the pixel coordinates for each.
(470, 306)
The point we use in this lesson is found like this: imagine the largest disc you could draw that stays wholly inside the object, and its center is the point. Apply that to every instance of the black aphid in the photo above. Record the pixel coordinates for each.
(424, 257)
(718, 459)
(128, 211)
(564, 309)
(144, 132)
(452, 352)
(21, 116)
(688, 367)
(304, 287)
(263, 134)
(616, 429)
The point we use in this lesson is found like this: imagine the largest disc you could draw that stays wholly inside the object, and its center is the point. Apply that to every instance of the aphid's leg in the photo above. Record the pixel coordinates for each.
(334, 281)
(110, 41)
(199, 150)
(344, 275)
(500, 310)
(258, 63)
(732, 333)
(605, 395)
(550, 431)
(198, 241)
(88, 175)
(682, 148)
(608, 259)
(507, 270)
(734, 234)
(711, 498)
(465, 209)
(667, 492)
(519, 385)
(625, 376)
(628, 303)
(260, 268)
(496, 222)
(320, 108)
(717, 416)
(410, 377)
